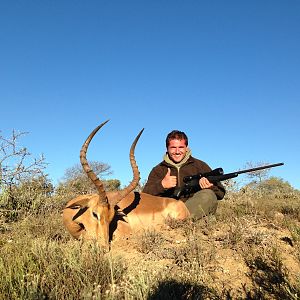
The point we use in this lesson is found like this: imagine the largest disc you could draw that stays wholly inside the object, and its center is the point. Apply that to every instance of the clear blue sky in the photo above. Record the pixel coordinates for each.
(225, 72)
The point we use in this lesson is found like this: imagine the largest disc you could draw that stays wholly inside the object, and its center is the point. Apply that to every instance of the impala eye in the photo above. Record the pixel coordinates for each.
(95, 216)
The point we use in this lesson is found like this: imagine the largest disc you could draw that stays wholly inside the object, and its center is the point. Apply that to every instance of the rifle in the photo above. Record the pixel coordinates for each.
(191, 183)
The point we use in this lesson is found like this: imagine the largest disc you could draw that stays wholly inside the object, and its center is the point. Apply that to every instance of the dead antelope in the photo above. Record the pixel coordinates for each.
(104, 215)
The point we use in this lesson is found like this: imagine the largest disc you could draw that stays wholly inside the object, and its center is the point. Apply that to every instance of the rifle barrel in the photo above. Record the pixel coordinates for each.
(259, 168)
(217, 178)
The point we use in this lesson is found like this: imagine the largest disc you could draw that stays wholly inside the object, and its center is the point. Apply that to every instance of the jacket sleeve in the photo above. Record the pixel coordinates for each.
(219, 190)
(153, 185)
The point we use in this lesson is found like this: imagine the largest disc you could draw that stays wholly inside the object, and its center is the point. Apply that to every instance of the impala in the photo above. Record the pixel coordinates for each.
(103, 216)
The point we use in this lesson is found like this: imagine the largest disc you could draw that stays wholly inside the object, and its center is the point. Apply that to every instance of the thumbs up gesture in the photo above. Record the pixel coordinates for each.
(169, 181)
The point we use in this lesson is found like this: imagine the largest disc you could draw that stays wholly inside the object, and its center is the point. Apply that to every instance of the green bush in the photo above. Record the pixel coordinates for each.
(26, 197)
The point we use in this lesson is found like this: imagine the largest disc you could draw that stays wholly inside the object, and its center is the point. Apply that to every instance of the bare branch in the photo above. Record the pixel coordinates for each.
(260, 174)
(16, 162)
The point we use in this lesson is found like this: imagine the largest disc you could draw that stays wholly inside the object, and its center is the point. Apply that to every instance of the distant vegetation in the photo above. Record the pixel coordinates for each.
(249, 250)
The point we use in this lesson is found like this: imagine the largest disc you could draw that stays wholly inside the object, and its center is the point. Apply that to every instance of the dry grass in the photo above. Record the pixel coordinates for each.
(249, 250)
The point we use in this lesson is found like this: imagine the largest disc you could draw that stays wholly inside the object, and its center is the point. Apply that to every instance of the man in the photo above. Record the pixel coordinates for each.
(178, 163)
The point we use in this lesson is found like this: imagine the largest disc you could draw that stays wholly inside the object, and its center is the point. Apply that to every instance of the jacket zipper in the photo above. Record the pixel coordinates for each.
(178, 177)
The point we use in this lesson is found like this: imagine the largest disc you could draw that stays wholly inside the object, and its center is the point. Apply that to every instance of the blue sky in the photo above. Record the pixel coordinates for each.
(225, 72)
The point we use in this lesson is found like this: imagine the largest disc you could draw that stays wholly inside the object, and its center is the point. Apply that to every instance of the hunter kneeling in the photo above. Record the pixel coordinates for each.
(166, 179)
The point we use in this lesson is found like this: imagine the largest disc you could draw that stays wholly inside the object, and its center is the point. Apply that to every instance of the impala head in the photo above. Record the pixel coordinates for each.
(97, 211)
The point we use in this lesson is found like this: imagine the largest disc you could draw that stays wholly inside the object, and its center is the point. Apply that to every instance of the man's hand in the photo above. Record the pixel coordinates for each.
(169, 181)
(204, 183)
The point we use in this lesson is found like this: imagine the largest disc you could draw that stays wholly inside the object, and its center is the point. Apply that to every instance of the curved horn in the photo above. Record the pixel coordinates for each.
(90, 173)
(136, 175)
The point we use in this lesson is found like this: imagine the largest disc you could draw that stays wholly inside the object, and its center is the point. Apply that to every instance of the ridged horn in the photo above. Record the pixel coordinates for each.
(136, 175)
(90, 173)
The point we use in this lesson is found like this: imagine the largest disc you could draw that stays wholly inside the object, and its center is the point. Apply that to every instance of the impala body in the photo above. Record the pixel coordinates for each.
(103, 216)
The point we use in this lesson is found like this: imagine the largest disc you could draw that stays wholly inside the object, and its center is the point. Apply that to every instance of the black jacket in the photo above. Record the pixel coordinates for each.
(193, 166)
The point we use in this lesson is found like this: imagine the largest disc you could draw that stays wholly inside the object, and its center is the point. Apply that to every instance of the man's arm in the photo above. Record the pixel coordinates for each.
(217, 187)
(154, 183)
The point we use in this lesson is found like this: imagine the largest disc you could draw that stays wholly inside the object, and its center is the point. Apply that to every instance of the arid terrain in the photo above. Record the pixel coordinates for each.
(249, 250)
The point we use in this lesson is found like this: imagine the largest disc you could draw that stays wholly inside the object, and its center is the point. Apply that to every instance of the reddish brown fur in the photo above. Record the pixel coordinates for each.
(147, 211)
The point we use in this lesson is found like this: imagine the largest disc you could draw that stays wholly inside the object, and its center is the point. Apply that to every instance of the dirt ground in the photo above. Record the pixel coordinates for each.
(226, 253)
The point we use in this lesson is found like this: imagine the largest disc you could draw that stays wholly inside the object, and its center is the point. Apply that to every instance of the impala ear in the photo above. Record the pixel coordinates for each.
(80, 204)
(81, 211)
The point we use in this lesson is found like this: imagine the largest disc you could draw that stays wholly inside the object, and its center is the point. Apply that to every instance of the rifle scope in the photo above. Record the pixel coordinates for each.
(215, 172)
